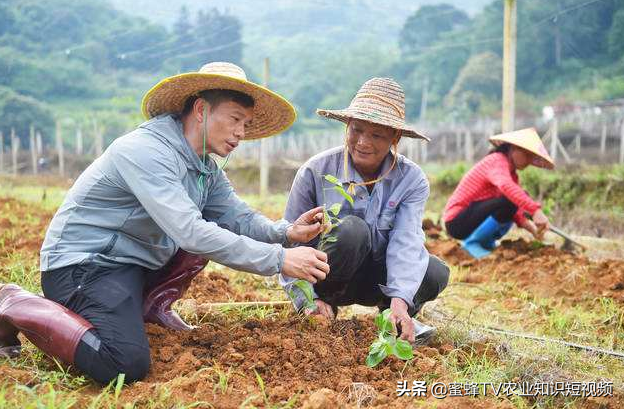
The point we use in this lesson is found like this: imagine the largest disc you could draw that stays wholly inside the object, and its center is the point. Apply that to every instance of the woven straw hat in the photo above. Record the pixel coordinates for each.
(272, 113)
(527, 139)
(380, 101)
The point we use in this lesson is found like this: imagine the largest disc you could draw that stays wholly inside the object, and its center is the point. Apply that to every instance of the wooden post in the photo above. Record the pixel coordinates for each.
(577, 144)
(458, 144)
(509, 65)
(1, 152)
(59, 148)
(554, 137)
(423, 100)
(99, 142)
(15, 145)
(564, 153)
(424, 150)
(468, 148)
(39, 141)
(417, 149)
(264, 162)
(33, 149)
(622, 142)
(79, 143)
(603, 140)
(444, 147)
(410, 148)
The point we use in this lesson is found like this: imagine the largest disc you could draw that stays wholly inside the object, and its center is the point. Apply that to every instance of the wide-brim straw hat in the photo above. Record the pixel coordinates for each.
(272, 113)
(380, 101)
(527, 139)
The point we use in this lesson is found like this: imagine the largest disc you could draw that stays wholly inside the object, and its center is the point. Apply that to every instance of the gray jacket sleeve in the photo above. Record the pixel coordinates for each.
(226, 209)
(152, 176)
(406, 256)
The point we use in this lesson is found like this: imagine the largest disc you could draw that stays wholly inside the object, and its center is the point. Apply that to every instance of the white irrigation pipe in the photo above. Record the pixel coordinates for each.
(557, 341)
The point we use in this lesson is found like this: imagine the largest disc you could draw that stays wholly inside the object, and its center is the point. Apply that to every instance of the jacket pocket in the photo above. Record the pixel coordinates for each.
(385, 221)
(383, 225)
(110, 244)
(107, 292)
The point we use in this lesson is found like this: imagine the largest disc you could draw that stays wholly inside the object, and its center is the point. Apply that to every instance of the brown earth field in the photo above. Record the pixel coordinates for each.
(273, 357)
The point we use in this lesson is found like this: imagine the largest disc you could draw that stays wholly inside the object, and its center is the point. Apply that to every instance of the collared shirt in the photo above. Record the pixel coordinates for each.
(393, 211)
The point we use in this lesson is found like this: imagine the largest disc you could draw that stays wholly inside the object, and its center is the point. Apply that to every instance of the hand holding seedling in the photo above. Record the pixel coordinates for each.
(306, 263)
(400, 318)
(386, 342)
(309, 225)
(322, 308)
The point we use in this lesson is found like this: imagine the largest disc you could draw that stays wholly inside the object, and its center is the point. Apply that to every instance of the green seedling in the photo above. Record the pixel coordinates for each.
(306, 289)
(387, 343)
(330, 214)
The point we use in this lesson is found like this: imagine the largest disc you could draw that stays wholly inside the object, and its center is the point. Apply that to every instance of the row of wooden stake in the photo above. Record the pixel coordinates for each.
(36, 148)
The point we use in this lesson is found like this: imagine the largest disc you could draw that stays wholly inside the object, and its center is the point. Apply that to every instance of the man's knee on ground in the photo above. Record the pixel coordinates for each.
(353, 235)
(130, 360)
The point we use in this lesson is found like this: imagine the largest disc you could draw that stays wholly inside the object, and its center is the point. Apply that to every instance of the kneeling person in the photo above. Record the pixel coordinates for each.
(379, 257)
(145, 217)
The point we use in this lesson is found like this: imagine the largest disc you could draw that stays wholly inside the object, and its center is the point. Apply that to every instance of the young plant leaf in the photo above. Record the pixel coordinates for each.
(403, 350)
(372, 360)
(326, 217)
(383, 322)
(306, 289)
(387, 342)
(344, 194)
(377, 346)
(332, 179)
(331, 239)
(335, 209)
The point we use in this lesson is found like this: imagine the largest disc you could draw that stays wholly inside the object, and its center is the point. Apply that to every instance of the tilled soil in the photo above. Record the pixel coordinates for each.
(211, 286)
(22, 227)
(542, 270)
(318, 361)
(296, 356)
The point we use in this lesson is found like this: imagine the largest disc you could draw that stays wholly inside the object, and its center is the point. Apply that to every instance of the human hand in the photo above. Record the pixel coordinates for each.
(322, 308)
(400, 317)
(306, 263)
(309, 225)
(529, 226)
(541, 221)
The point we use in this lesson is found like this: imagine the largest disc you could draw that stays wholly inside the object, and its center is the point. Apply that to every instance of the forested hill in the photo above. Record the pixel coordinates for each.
(87, 61)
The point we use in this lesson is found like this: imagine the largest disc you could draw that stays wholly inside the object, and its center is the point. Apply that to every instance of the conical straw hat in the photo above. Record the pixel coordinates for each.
(529, 140)
(272, 113)
(380, 101)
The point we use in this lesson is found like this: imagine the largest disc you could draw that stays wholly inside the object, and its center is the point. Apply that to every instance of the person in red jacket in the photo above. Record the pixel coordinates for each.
(489, 198)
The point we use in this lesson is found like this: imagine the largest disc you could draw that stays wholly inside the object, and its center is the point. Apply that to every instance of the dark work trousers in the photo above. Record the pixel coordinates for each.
(354, 276)
(111, 299)
(471, 217)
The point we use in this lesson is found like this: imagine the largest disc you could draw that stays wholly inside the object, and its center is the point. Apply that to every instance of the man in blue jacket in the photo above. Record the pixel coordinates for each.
(144, 218)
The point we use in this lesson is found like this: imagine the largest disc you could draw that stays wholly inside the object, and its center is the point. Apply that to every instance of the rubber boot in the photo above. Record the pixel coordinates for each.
(50, 326)
(176, 278)
(481, 237)
(504, 229)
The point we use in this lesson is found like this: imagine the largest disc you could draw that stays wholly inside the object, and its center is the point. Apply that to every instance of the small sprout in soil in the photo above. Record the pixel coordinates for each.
(306, 289)
(387, 343)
